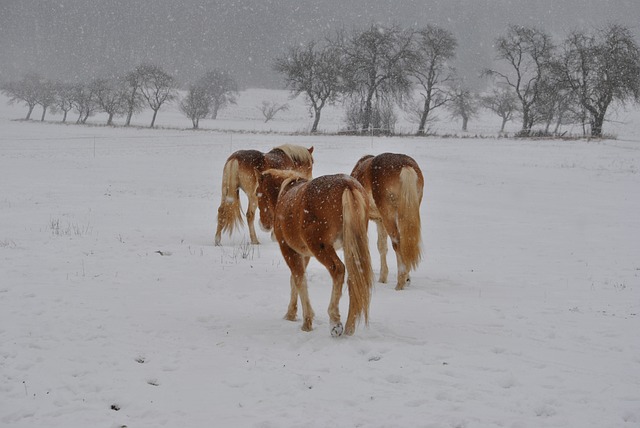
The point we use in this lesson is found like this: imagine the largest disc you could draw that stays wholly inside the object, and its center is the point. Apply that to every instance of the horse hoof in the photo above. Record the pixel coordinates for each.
(337, 330)
(307, 324)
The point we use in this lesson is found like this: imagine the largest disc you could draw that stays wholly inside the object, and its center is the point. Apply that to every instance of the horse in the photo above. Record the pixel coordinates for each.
(242, 171)
(394, 184)
(314, 218)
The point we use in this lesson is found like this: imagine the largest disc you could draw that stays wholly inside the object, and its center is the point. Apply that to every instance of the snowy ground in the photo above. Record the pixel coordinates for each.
(117, 310)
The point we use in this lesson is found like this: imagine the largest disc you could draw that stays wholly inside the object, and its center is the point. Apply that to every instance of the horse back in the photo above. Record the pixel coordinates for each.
(249, 159)
(384, 176)
(311, 212)
(361, 171)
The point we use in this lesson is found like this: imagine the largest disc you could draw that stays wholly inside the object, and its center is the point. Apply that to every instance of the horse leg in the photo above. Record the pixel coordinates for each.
(251, 214)
(328, 257)
(382, 249)
(292, 310)
(297, 264)
(307, 311)
(392, 229)
(403, 273)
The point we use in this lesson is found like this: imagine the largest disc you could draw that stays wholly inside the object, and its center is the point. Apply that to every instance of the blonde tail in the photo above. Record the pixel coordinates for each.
(409, 219)
(356, 255)
(229, 212)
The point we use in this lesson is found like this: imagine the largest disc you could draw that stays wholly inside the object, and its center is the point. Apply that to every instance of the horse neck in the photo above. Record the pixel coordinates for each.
(278, 159)
(289, 184)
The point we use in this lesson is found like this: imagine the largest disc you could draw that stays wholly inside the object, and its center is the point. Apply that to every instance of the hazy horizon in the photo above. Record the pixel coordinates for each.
(78, 39)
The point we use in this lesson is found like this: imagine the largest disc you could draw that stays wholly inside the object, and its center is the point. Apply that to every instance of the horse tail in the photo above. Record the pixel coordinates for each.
(229, 212)
(356, 252)
(409, 218)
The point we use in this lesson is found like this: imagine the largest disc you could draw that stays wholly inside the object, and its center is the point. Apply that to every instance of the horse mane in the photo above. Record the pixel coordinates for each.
(365, 157)
(298, 154)
(287, 175)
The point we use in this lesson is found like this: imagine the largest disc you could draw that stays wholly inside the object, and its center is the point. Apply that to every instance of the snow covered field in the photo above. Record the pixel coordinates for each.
(117, 310)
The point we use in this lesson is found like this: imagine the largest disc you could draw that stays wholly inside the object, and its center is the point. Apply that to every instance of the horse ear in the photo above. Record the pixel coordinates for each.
(310, 149)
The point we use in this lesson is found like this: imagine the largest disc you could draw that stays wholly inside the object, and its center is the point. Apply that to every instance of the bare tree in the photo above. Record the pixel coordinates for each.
(195, 105)
(554, 104)
(220, 89)
(270, 109)
(158, 88)
(315, 72)
(134, 99)
(63, 99)
(567, 109)
(46, 96)
(600, 69)
(84, 102)
(376, 62)
(528, 53)
(414, 110)
(111, 97)
(435, 47)
(26, 90)
(463, 104)
(503, 102)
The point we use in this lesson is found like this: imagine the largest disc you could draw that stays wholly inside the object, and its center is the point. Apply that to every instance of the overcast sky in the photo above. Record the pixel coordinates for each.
(82, 39)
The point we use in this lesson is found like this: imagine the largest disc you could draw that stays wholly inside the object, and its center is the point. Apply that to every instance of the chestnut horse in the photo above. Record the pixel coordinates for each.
(314, 218)
(394, 185)
(242, 171)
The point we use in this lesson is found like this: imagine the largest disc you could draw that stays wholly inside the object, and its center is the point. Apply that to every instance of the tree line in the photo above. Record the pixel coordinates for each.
(147, 86)
(534, 79)
(372, 71)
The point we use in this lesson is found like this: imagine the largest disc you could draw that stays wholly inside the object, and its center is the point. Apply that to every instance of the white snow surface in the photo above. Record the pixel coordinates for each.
(116, 309)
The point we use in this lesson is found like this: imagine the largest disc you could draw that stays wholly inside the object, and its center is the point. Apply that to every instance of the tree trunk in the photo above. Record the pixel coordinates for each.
(153, 120)
(368, 108)
(29, 112)
(423, 117)
(525, 121)
(596, 125)
(465, 121)
(530, 124)
(44, 113)
(558, 123)
(316, 120)
(504, 122)
(64, 117)
(110, 119)
(131, 105)
(195, 122)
